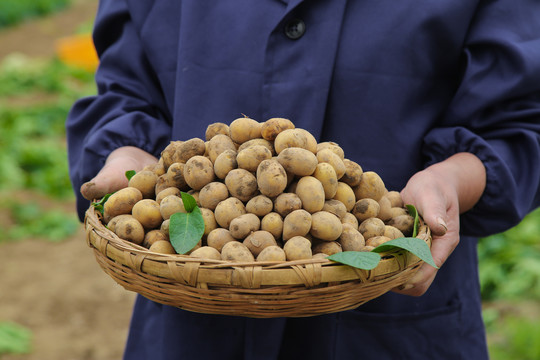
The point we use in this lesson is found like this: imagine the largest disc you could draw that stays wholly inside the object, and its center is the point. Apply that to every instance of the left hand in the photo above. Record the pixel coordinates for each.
(441, 193)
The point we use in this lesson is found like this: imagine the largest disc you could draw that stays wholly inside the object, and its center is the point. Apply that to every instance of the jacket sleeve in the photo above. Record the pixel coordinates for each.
(129, 108)
(495, 114)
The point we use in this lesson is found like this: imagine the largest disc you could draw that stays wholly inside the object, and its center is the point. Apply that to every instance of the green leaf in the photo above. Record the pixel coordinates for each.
(14, 339)
(130, 173)
(412, 244)
(357, 259)
(99, 205)
(414, 213)
(189, 201)
(186, 230)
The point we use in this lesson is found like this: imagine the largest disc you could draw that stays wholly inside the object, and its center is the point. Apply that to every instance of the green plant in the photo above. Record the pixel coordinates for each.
(14, 339)
(14, 11)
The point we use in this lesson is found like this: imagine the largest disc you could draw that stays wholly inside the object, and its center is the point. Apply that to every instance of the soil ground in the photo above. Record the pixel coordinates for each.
(57, 290)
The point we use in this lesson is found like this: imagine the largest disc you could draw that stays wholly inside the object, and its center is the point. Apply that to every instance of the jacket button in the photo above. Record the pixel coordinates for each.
(294, 29)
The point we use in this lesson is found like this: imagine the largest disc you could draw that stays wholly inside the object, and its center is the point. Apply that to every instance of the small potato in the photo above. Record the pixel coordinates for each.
(311, 192)
(297, 223)
(271, 178)
(145, 181)
(345, 194)
(272, 127)
(168, 155)
(198, 172)
(209, 219)
(154, 235)
(206, 252)
(371, 227)
(384, 209)
(397, 211)
(162, 247)
(147, 212)
(130, 229)
(190, 148)
(164, 182)
(166, 192)
(297, 248)
(257, 142)
(392, 232)
(295, 138)
(227, 210)
(157, 168)
(219, 237)
(112, 223)
(257, 241)
(365, 208)
(170, 205)
(216, 129)
(349, 218)
(121, 202)
(273, 223)
(165, 226)
(395, 199)
(332, 146)
(237, 252)
(351, 239)
(371, 186)
(403, 223)
(328, 156)
(298, 161)
(325, 173)
(250, 157)
(241, 184)
(376, 241)
(244, 129)
(353, 173)
(272, 253)
(286, 203)
(225, 162)
(175, 173)
(212, 194)
(319, 256)
(218, 144)
(335, 207)
(243, 225)
(259, 205)
(325, 226)
(327, 247)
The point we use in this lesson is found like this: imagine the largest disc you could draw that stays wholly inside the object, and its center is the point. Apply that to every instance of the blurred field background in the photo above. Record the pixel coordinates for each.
(55, 302)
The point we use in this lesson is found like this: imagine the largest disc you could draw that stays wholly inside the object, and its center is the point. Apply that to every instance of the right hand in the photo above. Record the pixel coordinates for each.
(112, 176)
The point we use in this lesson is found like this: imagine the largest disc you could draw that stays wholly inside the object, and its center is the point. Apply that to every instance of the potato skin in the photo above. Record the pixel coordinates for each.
(325, 173)
(311, 192)
(227, 210)
(206, 252)
(371, 227)
(198, 172)
(371, 186)
(332, 146)
(218, 144)
(241, 184)
(224, 163)
(365, 208)
(257, 142)
(328, 156)
(260, 205)
(190, 148)
(243, 225)
(175, 175)
(171, 204)
(121, 202)
(244, 129)
(335, 207)
(286, 203)
(271, 178)
(298, 161)
(147, 212)
(216, 129)
(166, 192)
(257, 241)
(273, 223)
(297, 248)
(376, 241)
(218, 237)
(325, 226)
(130, 229)
(162, 247)
(250, 157)
(209, 219)
(212, 194)
(403, 223)
(297, 223)
(392, 232)
(349, 218)
(395, 199)
(145, 181)
(345, 194)
(327, 248)
(154, 235)
(353, 173)
(272, 127)
(272, 253)
(295, 138)
(351, 239)
(237, 252)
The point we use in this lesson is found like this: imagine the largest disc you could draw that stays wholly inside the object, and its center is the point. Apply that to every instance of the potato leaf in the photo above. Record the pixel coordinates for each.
(99, 205)
(412, 244)
(186, 230)
(129, 174)
(189, 201)
(414, 213)
(357, 259)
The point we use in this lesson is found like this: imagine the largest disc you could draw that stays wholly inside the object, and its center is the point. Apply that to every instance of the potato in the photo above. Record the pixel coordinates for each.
(219, 237)
(328, 156)
(121, 202)
(157, 168)
(212, 194)
(298, 161)
(112, 223)
(332, 146)
(216, 129)
(371, 186)
(244, 129)
(241, 184)
(237, 252)
(147, 213)
(325, 173)
(319, 256)
(170, 205)
(365, 208)
(195, 195)
(311, 192)
(168, 155)
(166, 192)
(225, 162)
(403, 223)
(218, 144)
(227, 210)
(395, 212)
(384, 209)
(164, 182)
(371, 227)
(353, 173)
(335, 207)
(154, 235)
(325, 226)
(257, 241)
(198, 172)
(175, 173)
(243, 225)
(273, 223)
(392, 232)
(190, 148)
(259, 205)
(345, 194)
(209, 219)
(395, 199)
(271, 178)
(297, 223)
(327, 247)
(130, 229)
(349, 218)
(297, 248)
(165, 226)
(206, 252)
(272, 253)
(295, 138)
(286, 203)
(250, 157)
(145, 181)
(257, 142)
(351, 239)
(272, 127)
(376, 241)
(162, 247)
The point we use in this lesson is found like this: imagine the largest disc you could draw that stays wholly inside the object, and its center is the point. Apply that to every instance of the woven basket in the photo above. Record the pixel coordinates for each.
(254, 289)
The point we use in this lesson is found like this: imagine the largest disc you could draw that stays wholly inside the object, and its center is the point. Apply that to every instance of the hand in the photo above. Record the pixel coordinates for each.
(112, 176)
(441, 193)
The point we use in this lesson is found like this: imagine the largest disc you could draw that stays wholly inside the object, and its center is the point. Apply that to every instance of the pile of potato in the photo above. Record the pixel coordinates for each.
(267, 192)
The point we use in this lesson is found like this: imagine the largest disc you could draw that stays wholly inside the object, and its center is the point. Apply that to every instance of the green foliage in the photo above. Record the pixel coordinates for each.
(14, 11)
(186, 229)
(14, 339)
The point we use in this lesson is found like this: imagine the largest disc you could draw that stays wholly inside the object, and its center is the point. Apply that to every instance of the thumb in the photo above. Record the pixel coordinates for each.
(432, 208)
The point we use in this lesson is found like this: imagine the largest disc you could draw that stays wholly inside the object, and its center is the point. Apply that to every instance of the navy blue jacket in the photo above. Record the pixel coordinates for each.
(398, 84)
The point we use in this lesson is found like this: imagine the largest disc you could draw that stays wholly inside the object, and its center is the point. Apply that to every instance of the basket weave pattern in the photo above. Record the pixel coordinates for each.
(255, 289)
